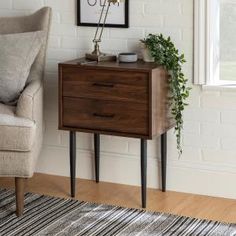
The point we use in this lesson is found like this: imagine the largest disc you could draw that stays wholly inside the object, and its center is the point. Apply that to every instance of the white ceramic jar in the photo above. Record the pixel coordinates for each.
(146, 54)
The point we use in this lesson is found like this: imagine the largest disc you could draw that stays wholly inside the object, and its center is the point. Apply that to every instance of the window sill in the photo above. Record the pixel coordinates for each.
(223, 87)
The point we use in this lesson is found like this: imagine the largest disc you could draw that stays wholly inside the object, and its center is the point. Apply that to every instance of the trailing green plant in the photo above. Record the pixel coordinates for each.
(165, 54)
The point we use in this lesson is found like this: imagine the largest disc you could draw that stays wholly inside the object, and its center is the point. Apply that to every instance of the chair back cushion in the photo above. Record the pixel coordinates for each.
(17, 54)
(39, 21)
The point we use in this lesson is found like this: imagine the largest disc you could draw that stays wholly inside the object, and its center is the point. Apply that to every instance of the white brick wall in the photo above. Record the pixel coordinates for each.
(208, 163)
(5, 4)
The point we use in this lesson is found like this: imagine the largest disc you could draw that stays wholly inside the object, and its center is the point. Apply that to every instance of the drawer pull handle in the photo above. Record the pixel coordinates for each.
(103, 85)
(109, 116)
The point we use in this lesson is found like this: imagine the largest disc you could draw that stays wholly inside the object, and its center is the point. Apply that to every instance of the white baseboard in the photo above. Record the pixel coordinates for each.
(181, 176)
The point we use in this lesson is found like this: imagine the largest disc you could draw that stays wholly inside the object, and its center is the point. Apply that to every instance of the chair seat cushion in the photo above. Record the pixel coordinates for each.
(8, 110)
(16, 134)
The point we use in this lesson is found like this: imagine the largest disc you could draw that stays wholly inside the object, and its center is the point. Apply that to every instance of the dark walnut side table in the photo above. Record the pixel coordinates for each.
(123, 99)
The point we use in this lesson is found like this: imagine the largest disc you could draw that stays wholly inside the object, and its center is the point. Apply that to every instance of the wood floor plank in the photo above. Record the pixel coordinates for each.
(198, 206)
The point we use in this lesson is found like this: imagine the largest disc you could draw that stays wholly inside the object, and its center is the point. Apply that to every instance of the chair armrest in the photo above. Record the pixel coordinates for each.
(30, 103)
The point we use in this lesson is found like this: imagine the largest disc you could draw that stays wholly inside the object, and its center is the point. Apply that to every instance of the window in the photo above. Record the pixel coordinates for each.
(215, 42)
(228, 41)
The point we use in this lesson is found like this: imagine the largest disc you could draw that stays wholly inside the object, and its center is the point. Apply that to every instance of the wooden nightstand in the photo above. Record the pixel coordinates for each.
(116, 99)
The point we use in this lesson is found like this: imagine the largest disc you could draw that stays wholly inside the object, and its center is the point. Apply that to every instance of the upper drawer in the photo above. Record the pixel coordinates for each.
(108, 85)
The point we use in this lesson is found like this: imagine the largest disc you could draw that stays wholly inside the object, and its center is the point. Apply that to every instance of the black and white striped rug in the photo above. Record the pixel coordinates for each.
(55, 216)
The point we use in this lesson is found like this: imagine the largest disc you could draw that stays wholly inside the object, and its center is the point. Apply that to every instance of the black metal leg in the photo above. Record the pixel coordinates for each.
(163, 160)
(72, 162)
(97, 155)
(144, 171)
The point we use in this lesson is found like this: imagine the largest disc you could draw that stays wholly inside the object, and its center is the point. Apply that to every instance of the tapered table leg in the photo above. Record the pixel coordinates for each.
(144, 171)
(97, 155)
(72, 162)
(163, 160)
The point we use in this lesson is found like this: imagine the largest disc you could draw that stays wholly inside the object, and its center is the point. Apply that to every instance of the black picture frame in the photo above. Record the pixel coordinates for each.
(125, 25)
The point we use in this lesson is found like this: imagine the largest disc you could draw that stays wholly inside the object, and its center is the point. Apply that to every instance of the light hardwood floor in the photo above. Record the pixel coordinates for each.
(129, 196)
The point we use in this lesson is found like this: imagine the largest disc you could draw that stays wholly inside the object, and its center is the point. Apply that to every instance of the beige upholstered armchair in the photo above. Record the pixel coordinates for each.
(21, 126)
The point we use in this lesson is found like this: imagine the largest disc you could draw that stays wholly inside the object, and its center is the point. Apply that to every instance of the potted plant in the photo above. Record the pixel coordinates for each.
(146, 53)
(165, 54)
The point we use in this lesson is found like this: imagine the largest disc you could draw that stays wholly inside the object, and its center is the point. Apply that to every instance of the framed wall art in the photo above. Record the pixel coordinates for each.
(88, 13)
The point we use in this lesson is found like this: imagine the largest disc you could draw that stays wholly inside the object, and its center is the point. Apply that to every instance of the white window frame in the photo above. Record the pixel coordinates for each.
(207, 43)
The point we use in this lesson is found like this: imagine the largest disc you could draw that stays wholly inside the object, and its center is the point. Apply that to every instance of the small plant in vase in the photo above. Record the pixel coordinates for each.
(164, 53)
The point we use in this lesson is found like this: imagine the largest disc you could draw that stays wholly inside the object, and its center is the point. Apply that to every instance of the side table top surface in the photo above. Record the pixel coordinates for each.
(139, 65)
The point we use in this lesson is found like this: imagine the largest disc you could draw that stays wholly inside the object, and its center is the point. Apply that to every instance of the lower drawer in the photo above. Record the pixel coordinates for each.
(122, 117)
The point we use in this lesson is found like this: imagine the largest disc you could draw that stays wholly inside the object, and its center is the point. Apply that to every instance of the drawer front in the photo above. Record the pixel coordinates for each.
(98, 115)
(106, 85)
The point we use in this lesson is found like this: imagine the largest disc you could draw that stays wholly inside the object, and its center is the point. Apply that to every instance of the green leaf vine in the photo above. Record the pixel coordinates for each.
(165, 54)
